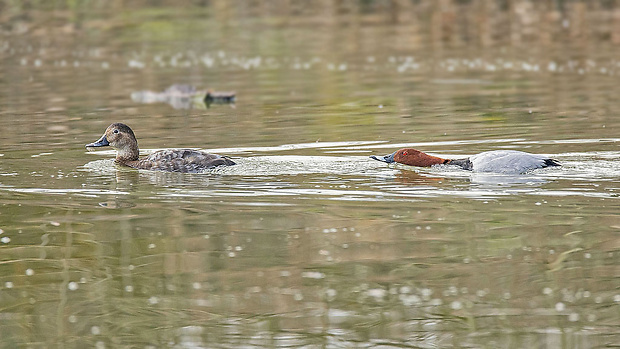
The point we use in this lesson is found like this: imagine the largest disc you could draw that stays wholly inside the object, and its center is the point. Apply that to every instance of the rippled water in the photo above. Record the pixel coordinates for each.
(308, 242)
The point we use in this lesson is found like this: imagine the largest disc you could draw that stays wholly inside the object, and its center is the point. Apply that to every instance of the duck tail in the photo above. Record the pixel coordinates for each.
(551, 162)
(228, 161)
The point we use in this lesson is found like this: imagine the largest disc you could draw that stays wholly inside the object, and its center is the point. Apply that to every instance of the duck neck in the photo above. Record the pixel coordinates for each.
(127, 154)
(425, 160)
(438, 161)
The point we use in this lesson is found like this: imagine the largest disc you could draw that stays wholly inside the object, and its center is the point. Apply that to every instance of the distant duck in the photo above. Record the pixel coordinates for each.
(182, 96)
(498, 161)
(120, 137)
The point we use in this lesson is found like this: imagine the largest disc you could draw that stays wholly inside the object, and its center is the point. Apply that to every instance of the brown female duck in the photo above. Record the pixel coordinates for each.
(120, 137)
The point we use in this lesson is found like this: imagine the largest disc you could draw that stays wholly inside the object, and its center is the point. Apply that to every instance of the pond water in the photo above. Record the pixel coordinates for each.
(308, 242)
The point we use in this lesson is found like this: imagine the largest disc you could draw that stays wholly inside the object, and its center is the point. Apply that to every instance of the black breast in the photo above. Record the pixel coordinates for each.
(463, 163)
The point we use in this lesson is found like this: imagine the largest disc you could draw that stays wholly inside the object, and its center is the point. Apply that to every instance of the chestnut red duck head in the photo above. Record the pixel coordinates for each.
(411, 157)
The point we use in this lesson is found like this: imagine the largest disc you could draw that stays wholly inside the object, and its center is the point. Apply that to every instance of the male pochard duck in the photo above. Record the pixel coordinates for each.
(120, 137)
(498, 161)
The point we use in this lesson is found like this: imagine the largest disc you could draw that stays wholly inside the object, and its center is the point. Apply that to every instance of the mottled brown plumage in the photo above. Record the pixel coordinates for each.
(120, 137)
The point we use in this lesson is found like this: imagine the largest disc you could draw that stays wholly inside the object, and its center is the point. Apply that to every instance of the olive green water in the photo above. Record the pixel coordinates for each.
(307, 242)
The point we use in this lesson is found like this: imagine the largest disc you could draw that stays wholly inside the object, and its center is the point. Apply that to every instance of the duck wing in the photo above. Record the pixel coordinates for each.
(183, 160)
(509, 161)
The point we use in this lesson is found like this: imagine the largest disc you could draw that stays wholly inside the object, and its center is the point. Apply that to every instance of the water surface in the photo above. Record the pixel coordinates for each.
(308, 242)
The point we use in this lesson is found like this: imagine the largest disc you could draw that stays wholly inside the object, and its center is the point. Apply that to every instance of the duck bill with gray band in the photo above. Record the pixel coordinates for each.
(101, 142)
(387, 158)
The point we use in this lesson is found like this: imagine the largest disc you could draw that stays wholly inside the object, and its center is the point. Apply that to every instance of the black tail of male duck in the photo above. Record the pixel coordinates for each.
(220, 98)
(551, 162)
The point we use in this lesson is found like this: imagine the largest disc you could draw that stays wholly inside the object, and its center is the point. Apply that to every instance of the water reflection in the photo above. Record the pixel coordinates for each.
(250, 270)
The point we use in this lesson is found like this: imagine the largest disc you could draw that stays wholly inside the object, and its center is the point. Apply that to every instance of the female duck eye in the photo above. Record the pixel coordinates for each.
(115, 131)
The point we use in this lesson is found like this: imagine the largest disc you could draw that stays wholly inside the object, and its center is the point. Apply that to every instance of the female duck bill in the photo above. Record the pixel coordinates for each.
(101, 142)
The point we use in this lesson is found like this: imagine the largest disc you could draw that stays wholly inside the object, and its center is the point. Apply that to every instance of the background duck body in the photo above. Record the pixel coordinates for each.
(120, 137)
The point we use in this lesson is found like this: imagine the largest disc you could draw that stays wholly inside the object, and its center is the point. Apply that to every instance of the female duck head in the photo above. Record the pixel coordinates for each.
(120, 137)
(411, 157)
